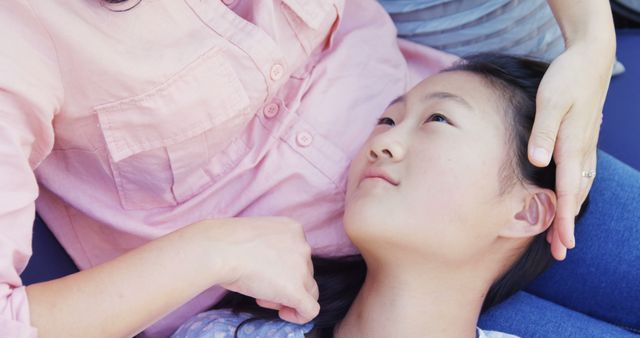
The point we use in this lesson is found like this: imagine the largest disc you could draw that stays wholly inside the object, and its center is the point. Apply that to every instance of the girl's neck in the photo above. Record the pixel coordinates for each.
(416, 302)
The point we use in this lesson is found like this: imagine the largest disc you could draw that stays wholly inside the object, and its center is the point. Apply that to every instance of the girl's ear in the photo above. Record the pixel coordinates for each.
(534, 217)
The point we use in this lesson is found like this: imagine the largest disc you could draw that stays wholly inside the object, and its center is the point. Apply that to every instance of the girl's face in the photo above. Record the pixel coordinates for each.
(429, 177)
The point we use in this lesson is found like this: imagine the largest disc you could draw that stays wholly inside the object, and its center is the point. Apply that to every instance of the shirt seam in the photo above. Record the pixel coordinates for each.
(43, 153)
(78, 240)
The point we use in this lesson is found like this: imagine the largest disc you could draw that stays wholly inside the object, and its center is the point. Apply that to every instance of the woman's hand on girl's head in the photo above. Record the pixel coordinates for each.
(568, 118)
(269, 259)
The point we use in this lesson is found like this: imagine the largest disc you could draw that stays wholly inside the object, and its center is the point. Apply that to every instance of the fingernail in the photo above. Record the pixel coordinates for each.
(563, 254)
(541, 155)
(572, 242)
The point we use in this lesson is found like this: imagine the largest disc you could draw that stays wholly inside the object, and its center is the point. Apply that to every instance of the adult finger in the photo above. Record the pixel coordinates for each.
(549, 113)
(558, 250)
(304, 310)
(268, 304)
(568, 176)
(307, 307)
(291, 315)
(312, 288)
(587, 182)
(550, 234)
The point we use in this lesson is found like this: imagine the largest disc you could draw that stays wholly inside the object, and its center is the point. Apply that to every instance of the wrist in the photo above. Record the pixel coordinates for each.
(603, 43)
(218, 262)
(588, 22)
(599, 38)
(598, 55)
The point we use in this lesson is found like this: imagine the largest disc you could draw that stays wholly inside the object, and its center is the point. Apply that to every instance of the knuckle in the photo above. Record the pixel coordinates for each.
(564, 219)
(295, 226)
(306, 250)
(548, 99)
(290, 292)
(315, 309)
(307, 303)
(568, 192)
(545, 136)
(298, 302)
(567, 198)
(568, 155)
(545, 96)
(300, 266)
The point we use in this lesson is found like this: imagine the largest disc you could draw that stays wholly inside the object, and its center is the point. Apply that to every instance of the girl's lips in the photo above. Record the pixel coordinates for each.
(373, 172)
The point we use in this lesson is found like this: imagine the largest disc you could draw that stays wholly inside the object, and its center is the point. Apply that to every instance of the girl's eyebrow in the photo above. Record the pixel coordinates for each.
(448, 96)
(436, 96)
(396, 100)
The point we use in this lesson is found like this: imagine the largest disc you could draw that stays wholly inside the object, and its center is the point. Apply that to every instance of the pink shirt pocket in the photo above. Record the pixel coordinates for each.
(161, 142)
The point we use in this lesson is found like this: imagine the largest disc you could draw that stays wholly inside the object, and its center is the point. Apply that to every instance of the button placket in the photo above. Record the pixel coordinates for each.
(317, 150)
(255, 43)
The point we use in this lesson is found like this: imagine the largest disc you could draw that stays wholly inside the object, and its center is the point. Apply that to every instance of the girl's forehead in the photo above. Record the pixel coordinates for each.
(464, 88)
(460, 83)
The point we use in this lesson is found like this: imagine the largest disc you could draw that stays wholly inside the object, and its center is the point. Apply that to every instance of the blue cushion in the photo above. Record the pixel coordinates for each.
(619, 135)
(528, 316)
(49, 260)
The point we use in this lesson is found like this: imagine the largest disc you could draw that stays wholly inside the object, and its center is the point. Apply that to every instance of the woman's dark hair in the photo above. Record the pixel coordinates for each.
(340, 279)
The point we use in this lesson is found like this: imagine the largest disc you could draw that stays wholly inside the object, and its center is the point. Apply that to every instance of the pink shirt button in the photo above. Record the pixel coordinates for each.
(228, 2)
(271, 110)
(304, 139)
(276, 72)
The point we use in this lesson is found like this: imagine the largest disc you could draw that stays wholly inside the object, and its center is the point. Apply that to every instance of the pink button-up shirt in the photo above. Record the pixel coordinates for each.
(122, 126)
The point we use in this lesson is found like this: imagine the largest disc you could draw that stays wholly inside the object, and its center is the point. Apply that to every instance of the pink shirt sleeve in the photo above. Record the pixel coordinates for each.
(30, 93)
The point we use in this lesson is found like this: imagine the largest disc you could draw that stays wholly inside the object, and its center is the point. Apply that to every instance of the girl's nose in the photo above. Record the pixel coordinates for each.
(385, 148)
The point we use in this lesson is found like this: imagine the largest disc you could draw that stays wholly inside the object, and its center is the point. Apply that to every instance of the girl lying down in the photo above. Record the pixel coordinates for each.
(448, 214)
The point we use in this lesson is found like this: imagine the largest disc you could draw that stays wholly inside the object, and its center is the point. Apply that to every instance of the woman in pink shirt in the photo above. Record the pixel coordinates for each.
(144, 132)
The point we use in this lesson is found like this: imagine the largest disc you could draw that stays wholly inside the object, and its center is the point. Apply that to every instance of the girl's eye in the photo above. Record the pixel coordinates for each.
(387, 121)
(437, 118)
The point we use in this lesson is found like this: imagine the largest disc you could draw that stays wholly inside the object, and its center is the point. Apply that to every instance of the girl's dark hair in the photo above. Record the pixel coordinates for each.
(340, 279)
(134, 3)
